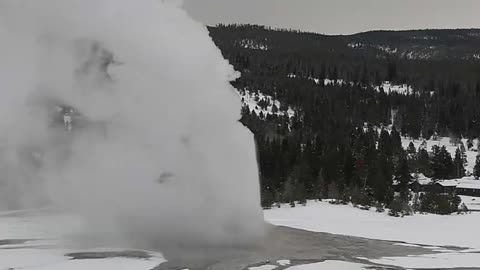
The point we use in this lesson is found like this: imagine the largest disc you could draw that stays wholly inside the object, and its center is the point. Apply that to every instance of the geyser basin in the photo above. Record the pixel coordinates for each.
(162, 157)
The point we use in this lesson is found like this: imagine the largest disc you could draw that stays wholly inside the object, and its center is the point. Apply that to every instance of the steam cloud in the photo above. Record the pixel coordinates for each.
(156, 153)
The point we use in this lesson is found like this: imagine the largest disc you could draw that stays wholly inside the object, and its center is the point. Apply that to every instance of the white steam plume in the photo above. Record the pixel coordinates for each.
(156, 154)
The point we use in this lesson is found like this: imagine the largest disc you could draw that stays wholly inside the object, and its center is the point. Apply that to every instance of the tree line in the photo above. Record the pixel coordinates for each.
(334, 146)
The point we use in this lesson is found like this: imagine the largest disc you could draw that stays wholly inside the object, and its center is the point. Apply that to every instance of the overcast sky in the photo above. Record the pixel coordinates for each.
(340, 16)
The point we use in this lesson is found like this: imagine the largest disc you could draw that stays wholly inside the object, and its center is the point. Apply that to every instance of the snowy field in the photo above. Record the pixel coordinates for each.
(439, 233)
(51, 259)
(46, 254)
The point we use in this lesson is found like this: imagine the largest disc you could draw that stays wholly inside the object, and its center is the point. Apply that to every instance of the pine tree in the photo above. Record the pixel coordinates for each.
(301, 194)
(476, 169)
(289, 192)
(320, 188)
(469, 144)
(379, 178)
(349, 168)
(385, 143)
(423, 162)
(423, 145)
(333, 192)
(268, 199)
(412, 157)
(403, 178)
(458, 164)
(463, 152)
(396, 141)
(447, 163)
(411, 150)
(442, 163)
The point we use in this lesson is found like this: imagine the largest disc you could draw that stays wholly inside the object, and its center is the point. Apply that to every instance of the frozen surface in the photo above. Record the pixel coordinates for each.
(264, 267)
(333, 265)
(53, 259)
(439, 233)
(435, 261)
(330, 265)
(45, 250)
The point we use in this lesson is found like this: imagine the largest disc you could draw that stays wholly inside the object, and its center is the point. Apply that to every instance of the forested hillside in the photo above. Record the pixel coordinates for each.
(329, 111)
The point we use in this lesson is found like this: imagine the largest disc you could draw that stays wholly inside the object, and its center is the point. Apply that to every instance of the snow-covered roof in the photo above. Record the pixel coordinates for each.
(466, 182)
(472, 203)
(469, 184)
(422, 179)
(447, 183)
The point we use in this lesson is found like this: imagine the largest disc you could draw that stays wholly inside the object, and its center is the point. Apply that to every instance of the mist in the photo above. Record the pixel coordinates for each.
(155, 153)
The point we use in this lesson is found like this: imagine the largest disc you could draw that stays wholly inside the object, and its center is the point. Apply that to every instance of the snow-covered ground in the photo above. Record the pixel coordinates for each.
(55, 259)
(330, 265)
(444, 141)
(318, 81)
(252, 100)
(334, 265)
(389, 88)
(48, 254)
(431, 231)
(435, 231)
(251, 44)
(436, 261)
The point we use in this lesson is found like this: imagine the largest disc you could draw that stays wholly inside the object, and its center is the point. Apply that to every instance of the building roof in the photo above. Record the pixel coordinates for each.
(469, 184)
(422, 179)
(465, 183)
(447, 183)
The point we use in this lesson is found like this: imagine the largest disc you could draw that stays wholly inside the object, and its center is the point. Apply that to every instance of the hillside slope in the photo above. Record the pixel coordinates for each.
(329, 112)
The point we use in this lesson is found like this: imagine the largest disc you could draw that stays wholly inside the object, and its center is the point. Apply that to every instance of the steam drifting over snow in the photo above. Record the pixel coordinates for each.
(161, 157)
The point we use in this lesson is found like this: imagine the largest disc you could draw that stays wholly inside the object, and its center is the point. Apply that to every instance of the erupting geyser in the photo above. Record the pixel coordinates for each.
(155, 153)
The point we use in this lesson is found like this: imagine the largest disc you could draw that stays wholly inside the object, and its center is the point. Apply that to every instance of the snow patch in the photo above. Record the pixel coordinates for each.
(265, 104)
(252, 45)
(434, 261)
(331, 265)
(386, 49)
(389, 88)
(263, 267)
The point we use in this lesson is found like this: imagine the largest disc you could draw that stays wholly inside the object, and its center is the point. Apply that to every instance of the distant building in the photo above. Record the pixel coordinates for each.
(468, 187)
(421, 183)
(445, 186)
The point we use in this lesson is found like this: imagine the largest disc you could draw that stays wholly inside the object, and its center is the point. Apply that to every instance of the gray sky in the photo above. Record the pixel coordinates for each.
(340, 16)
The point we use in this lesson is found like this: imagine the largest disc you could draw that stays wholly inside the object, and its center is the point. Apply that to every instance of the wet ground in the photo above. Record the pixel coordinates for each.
(298, 246)
(282, 243)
